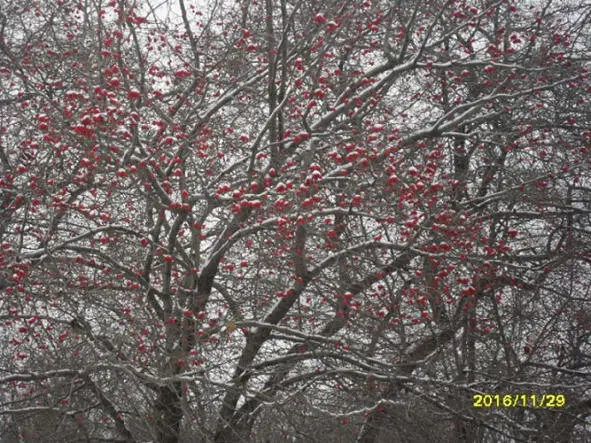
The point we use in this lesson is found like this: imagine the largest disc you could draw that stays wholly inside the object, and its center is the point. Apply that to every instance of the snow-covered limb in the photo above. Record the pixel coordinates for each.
(38, 409)
(35, 376)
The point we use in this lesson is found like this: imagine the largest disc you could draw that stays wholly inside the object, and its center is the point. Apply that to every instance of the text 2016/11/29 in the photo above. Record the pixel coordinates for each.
(518, 400)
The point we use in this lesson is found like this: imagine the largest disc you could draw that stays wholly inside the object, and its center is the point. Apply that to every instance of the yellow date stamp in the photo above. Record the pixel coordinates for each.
(518, 400)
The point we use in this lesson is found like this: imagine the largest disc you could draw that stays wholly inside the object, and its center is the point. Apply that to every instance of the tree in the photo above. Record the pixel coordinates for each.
(285, 219)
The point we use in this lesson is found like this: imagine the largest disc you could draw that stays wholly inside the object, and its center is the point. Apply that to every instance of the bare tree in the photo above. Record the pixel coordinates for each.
(255, 221)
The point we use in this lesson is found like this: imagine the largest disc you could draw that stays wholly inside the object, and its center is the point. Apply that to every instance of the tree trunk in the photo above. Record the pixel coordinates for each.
(169, 413)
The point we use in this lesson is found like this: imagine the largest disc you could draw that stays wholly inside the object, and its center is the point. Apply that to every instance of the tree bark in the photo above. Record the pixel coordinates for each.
(169, 413)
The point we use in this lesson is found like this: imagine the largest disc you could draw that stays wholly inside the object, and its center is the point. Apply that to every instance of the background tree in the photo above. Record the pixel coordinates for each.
(275, 219)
